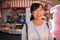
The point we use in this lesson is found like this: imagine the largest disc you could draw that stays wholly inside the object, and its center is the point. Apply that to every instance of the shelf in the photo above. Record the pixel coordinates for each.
(15, 28)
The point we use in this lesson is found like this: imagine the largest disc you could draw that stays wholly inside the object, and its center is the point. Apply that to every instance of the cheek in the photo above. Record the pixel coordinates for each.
(34, 14)
(42, 13)
(38, 13)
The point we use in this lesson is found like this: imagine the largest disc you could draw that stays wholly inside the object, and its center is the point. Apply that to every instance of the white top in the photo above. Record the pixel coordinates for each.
(40, 32)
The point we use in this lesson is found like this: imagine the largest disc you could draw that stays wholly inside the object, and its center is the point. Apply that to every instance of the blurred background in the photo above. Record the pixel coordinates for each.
(15, 13)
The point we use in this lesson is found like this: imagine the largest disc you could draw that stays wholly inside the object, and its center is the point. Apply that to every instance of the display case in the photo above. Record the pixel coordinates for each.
(14, 20)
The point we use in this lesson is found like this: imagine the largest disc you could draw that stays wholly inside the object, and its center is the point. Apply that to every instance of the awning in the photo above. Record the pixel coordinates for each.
(20, 3)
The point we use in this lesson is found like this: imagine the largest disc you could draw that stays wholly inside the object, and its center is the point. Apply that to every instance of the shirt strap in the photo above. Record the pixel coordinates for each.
(47, 24)
(26, 31)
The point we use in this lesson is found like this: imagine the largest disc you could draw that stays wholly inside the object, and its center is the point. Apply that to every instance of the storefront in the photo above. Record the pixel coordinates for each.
(17, 13)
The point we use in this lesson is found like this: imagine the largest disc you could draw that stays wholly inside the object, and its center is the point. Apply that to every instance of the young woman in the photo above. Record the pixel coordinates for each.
(37, 28)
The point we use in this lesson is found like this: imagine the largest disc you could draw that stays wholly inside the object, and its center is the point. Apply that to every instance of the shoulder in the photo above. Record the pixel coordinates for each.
(46, 21)
(27, 24)
(30, 23)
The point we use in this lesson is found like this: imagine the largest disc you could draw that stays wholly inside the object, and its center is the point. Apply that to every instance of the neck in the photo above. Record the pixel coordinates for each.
(37, 22)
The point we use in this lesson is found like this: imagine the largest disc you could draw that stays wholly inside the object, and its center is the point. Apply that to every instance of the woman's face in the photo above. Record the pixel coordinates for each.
(38, 13)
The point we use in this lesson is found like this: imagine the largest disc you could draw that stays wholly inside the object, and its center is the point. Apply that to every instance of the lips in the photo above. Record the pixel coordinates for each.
(38, 15)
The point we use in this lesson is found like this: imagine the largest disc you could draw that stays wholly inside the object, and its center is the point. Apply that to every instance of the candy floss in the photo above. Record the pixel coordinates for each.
(56, 17)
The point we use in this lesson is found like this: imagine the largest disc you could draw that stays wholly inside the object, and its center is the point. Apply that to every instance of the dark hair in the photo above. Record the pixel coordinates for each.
(33, 7)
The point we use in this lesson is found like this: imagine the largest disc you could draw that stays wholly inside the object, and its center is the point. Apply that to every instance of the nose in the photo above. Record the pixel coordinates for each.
(39, 12)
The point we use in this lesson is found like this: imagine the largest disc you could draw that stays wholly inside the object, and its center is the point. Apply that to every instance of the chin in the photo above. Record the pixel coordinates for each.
(39, 18)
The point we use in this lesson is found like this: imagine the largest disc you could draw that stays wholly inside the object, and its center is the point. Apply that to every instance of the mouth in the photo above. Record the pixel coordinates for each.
(38, 15)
